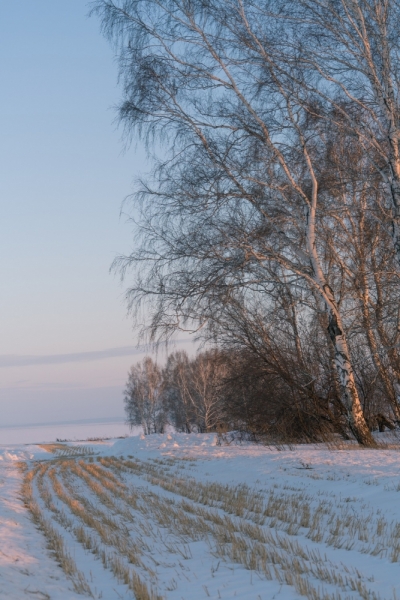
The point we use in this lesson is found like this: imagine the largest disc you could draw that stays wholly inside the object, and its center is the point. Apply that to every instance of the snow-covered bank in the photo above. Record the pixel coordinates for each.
(327, 522)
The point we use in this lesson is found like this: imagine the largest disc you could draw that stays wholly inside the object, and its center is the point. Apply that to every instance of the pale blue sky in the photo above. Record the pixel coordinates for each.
(64, 176)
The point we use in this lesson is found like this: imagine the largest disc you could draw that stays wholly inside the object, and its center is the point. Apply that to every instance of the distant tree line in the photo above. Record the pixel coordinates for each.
(186, 394)
(271, 223)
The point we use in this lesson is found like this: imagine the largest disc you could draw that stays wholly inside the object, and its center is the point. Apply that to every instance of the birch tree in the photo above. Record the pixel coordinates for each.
(143, 397)
(207, 373)
(180, 396)
(239, 183)
(192, 390)
(353, 47)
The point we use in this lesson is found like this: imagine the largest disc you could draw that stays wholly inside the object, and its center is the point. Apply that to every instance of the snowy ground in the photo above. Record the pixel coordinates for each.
(180, 517)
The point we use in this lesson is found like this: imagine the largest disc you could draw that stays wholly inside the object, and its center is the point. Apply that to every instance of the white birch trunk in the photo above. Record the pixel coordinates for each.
(351, 400)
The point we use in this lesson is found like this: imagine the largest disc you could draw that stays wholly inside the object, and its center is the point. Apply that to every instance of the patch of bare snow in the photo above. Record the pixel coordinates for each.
(26, 569)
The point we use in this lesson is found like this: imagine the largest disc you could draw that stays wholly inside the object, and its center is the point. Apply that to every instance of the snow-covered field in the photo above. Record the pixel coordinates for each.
(181, 517)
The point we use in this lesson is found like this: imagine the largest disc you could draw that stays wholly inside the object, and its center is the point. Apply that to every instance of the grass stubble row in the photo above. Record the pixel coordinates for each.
(109, 516)
(55, 541)
(321, 521)
(94, 528)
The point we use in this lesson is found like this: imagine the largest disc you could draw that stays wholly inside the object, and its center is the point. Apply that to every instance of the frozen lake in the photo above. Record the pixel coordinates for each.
(78, 430)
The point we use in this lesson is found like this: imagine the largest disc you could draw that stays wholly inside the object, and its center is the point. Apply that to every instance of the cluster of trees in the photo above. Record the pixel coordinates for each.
(187, 393)
(271, 222)
(267, 393)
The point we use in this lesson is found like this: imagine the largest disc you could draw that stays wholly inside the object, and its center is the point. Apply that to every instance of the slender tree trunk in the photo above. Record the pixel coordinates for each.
(355, 416)
(380, 69)
(388, 345)
(351, 400)
(388, 384)
(338, 408)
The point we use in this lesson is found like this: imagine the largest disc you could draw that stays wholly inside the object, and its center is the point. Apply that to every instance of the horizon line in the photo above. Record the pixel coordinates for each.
(16, 360)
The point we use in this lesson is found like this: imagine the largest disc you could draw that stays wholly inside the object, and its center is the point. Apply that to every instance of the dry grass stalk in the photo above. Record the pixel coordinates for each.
(64, 450)
(54, 539)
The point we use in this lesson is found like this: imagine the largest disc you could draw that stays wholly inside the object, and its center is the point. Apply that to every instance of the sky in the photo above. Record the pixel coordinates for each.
(66, 341)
